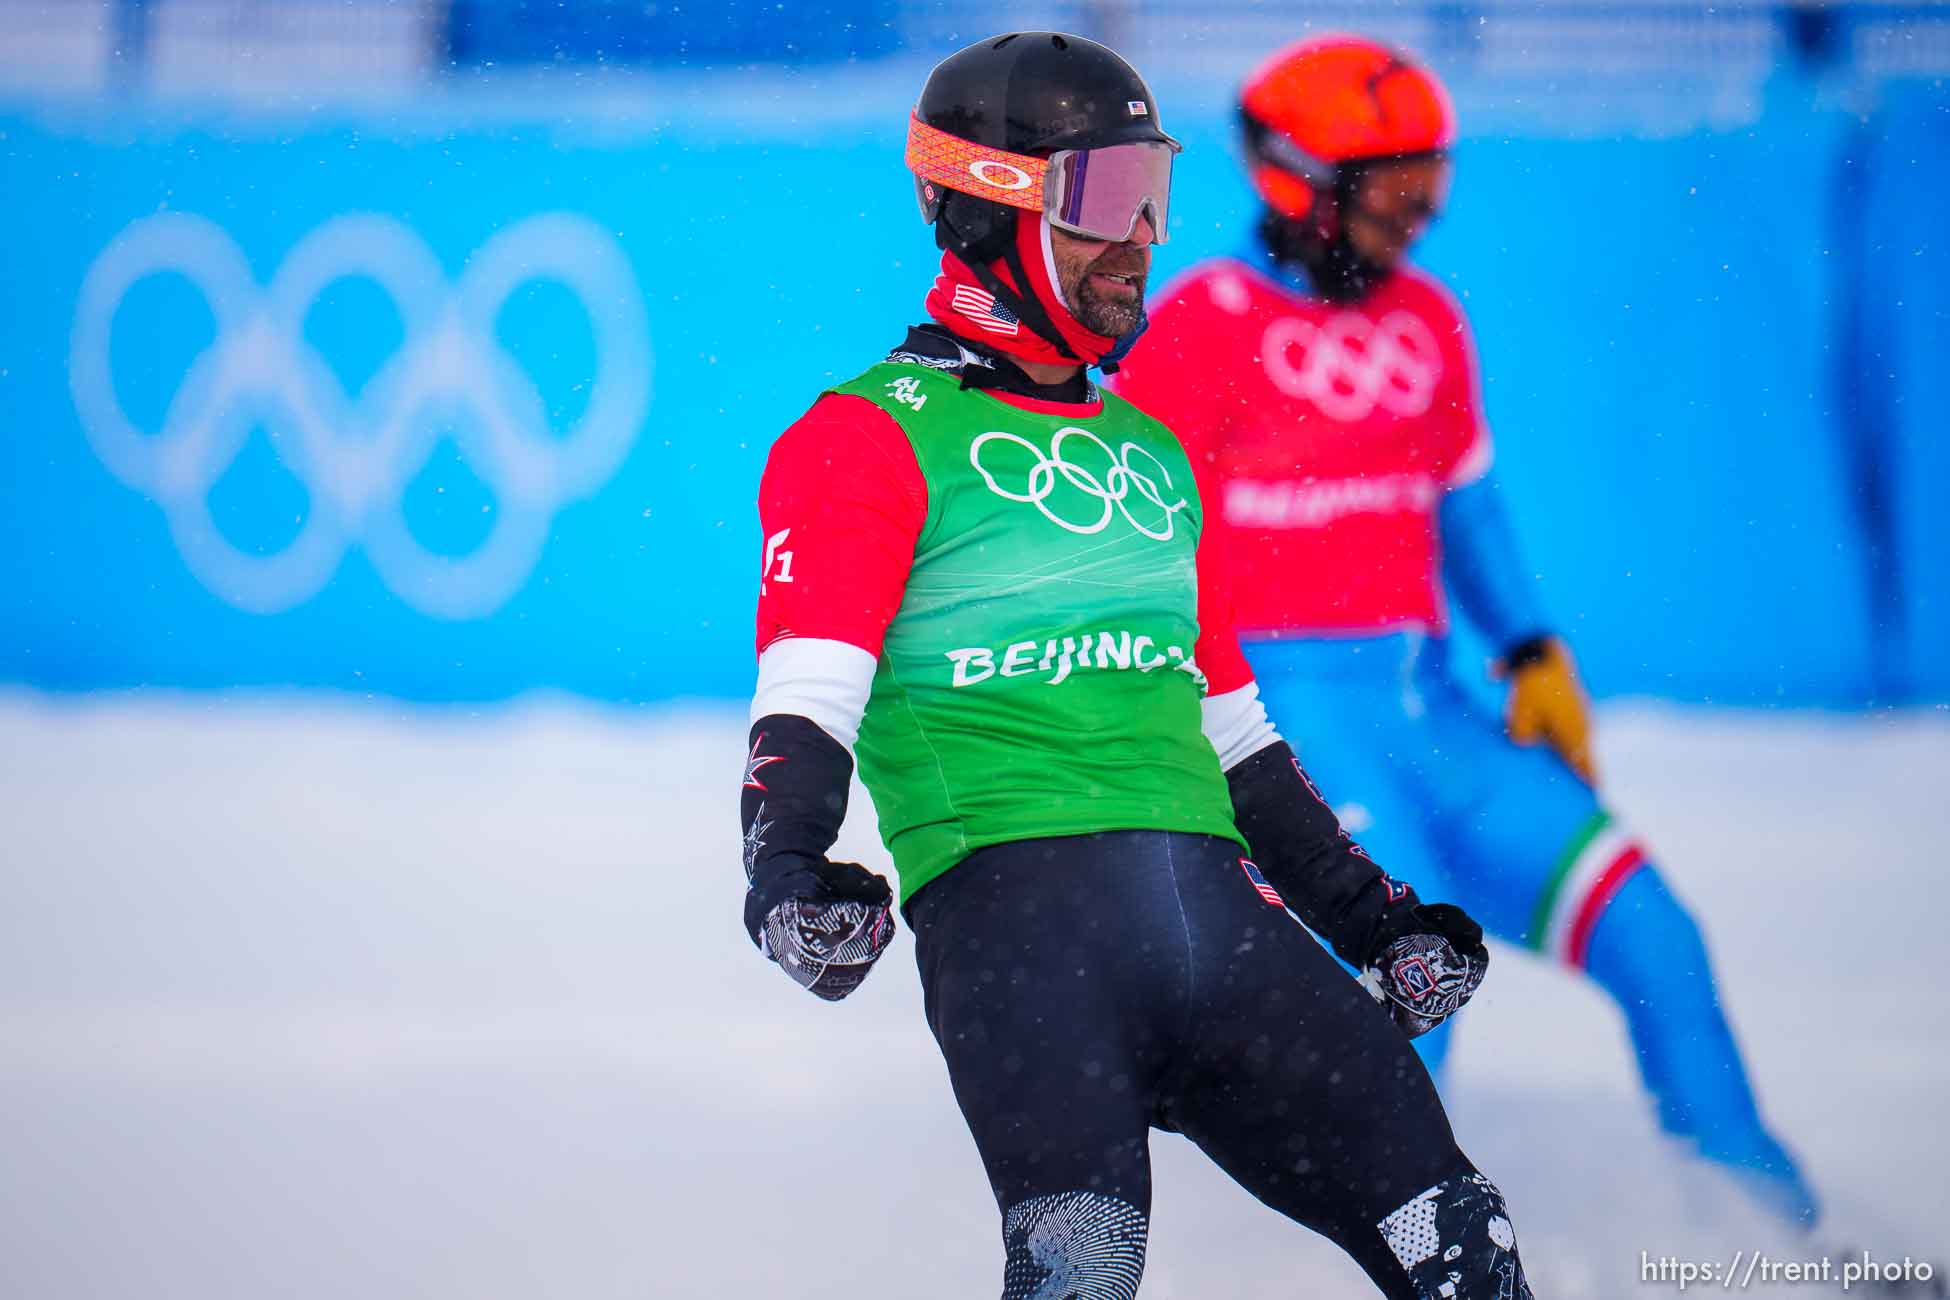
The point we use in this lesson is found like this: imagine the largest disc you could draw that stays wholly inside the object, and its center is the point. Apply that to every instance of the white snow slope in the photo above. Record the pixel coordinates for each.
(314, 999)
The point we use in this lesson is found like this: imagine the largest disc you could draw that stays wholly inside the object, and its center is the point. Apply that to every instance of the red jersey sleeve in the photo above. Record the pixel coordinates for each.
(1218, 653)
(1171, 377)
(1474, 428)
(1459, 395)
(1158, 376)
(841, 505)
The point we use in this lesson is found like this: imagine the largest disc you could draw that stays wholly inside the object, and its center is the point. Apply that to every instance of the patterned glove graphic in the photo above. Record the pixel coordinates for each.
(1547, 703)
(827, 946)
(1424, 978)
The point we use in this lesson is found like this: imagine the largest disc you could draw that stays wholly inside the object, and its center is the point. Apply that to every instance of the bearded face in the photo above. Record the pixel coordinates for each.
(1393, 204)
(1102, 282)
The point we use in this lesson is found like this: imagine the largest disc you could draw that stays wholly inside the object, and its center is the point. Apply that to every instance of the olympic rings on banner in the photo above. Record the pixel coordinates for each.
(356, 454)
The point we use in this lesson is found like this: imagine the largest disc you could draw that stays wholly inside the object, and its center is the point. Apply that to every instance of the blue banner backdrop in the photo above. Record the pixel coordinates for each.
(449, 413)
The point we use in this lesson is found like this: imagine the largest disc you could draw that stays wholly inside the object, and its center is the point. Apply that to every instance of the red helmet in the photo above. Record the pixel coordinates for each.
(1337, 99)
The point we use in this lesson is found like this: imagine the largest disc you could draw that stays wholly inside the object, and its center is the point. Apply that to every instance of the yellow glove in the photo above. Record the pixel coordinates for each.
(1547, 703)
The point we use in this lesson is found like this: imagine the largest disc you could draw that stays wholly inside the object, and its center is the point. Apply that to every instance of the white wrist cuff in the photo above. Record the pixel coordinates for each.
(825, 681)
(1236, 724)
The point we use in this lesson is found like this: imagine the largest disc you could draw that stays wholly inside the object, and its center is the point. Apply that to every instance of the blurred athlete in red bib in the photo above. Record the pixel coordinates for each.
(1338, 414)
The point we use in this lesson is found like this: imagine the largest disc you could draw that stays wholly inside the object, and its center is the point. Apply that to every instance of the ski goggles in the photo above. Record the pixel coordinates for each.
(1096, 193)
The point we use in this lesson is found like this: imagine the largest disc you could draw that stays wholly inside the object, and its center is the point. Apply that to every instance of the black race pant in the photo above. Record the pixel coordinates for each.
(1085, 990)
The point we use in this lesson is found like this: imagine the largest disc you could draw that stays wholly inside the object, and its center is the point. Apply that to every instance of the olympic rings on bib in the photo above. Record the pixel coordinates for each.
(1349, 365)
(1111, 491)
(356, 454)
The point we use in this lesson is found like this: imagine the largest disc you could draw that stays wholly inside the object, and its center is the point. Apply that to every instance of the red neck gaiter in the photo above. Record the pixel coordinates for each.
(961, 303)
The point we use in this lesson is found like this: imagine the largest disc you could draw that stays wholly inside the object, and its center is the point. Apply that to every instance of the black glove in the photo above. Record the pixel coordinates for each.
(825, 923)
(832, 926)
(1428, 962)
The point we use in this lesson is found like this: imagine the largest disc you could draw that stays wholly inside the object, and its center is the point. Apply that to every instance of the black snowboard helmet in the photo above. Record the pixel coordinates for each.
(1025, 93)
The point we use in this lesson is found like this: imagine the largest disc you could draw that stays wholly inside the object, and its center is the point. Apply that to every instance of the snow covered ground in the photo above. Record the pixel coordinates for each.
(313, 998)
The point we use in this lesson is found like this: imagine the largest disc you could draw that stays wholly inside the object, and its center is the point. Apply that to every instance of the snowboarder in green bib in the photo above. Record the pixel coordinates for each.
(994, 584)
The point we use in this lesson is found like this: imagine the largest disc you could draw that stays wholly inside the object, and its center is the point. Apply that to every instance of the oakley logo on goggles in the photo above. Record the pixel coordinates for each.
(1096, 193)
